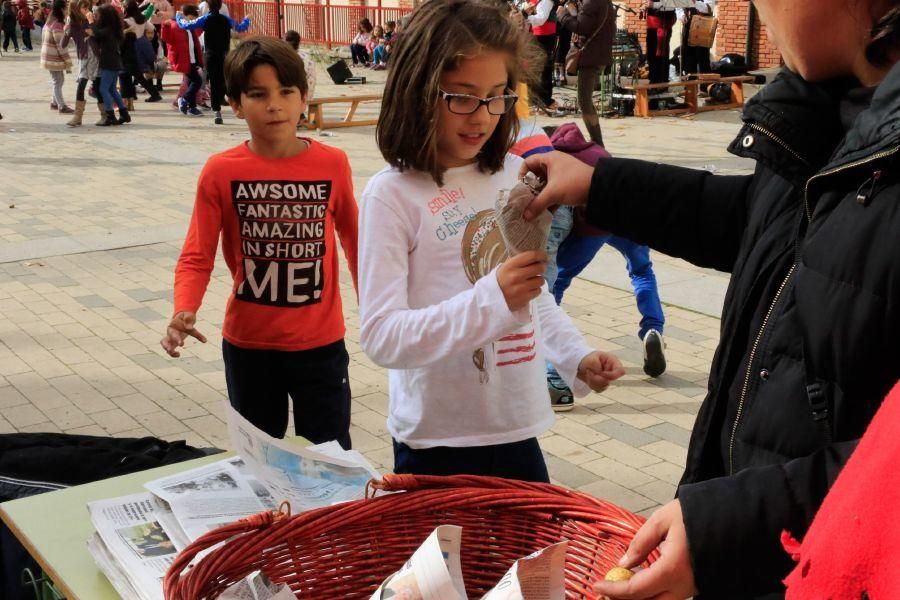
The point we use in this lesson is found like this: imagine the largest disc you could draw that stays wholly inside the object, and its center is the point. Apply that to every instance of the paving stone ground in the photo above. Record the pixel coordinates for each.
(91, 224)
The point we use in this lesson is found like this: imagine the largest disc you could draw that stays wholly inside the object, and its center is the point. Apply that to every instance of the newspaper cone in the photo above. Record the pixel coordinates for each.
(518, 234)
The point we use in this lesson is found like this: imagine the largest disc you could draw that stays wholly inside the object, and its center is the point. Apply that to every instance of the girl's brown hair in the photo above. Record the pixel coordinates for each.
(439, 35)
(76, 17)
(885, 36)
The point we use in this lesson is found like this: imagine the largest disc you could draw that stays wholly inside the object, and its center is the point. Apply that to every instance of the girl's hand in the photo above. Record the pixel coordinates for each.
(180, 327)
(568, 181)
(521, 278)
(599, 369)
(670, 577)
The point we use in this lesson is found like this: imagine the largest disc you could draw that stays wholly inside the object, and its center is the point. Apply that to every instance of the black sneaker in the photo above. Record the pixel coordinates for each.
(561, 398)
(654, 355)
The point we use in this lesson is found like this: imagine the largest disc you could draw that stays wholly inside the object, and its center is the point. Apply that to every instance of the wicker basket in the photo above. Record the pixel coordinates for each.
(346, 551)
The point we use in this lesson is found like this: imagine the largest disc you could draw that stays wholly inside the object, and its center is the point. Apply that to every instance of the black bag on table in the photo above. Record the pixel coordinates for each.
(34, 463)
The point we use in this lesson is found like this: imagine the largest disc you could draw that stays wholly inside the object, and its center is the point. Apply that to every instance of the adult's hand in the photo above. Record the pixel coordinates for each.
(568, 181)
(671, 576)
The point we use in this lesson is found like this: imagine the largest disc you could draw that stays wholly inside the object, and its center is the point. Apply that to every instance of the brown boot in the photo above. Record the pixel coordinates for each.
(79, 113)
(102, 109)
(129, 103)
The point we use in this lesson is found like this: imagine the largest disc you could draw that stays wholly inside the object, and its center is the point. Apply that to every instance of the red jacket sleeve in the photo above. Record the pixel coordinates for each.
(198, 256)
(346, 220)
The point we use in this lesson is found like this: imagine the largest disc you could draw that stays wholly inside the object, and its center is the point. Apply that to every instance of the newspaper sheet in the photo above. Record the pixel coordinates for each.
(307, 477)
(133, 535)
(208, 497)
(539, 576)
(434, 572)
(109, 566)
(257, 586)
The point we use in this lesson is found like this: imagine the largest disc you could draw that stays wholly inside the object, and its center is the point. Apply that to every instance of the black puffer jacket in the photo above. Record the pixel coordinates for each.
(811, 324)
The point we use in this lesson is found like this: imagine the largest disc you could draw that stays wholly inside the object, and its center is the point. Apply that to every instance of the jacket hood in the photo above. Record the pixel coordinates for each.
(876, 128)
(569, 139)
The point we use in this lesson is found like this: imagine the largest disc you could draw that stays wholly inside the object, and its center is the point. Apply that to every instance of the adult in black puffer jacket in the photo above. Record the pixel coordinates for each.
(811, 321)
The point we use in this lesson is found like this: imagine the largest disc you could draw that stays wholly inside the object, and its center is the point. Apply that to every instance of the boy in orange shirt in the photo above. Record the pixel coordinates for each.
(277, 201)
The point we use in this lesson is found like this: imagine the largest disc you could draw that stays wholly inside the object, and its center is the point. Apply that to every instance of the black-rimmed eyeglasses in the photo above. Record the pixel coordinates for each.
(465, 104)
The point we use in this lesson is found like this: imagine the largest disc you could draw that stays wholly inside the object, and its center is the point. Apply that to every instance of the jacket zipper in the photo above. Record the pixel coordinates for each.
(747, 375)
(778, 141)
(744, 388)
(852, 165)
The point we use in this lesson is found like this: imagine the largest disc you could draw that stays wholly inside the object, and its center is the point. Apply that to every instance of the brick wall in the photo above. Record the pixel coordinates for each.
(731, 36)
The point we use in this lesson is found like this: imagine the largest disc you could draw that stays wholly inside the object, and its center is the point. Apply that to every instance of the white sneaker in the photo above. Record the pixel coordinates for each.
(654, 355)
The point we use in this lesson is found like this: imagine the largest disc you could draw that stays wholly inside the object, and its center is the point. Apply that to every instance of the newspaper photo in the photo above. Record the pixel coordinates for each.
(434, 572)
(539, 576)
(307, 477)
(132, 534)
(208, 497)
(257, 586)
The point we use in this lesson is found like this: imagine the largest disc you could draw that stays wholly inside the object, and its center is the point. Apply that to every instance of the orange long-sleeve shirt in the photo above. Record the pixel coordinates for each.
(277, 218)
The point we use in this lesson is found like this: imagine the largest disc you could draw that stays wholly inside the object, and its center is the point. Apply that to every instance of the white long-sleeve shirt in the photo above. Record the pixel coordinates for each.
(422, 317)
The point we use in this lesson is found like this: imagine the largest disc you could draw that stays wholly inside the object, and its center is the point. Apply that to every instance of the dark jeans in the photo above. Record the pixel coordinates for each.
(196, 82)
(695, 60)
(359, 53)
(517, 460)
(10, 34)
(108, 91)
(26, 39)
(215, 74)
(261, 381)
(545, 90)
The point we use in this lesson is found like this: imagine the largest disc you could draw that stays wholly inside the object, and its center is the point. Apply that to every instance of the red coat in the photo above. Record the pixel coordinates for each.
(23, 16)
(850, 550)
(176, 40)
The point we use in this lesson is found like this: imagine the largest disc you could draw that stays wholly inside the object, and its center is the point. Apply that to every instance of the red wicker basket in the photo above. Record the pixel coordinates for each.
(346, 551)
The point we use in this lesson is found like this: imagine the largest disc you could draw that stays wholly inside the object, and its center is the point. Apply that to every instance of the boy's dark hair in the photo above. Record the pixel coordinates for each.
(190, 10)
(391, 24)
(215, 5)
(263, 50)
(292, 38)
(365, 24)
(439, 35)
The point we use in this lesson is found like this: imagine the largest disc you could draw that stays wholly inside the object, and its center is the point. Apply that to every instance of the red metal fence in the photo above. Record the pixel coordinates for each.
(324, 24)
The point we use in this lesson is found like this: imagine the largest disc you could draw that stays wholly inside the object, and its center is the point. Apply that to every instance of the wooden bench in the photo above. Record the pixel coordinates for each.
(318, 121)
(691, 88)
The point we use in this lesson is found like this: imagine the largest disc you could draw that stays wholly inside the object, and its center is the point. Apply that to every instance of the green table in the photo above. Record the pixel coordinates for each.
(54, 528)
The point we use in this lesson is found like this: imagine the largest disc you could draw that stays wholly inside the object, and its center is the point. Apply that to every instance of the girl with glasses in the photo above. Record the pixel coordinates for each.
(463, 331)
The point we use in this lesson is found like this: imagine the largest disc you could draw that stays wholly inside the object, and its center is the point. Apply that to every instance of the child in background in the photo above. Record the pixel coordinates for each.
(146, 64)
(186, 57)
(293, 38)
(465, 353)
(26, 24)
(8, 25)
(55, 56)
(277, 201)
(374, 41)
(380, 54)
(78, 29)
(217, 27)
(107, 32)
(360, 41)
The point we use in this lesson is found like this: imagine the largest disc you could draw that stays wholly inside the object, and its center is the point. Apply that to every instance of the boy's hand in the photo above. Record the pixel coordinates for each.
(180, 327)
(599, 369)
(521, 278)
